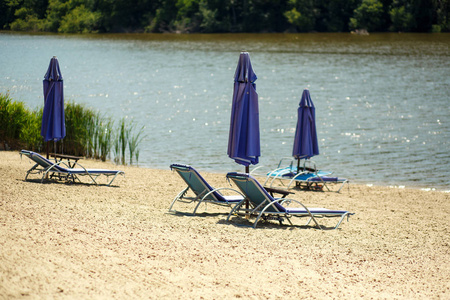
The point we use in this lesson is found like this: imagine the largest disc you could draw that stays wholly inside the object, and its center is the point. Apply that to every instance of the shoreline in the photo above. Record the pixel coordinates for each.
(62, 240)
(443, 189)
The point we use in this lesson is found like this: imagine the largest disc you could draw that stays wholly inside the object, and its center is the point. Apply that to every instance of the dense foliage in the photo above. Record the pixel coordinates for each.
(87, 133)
(84, 16)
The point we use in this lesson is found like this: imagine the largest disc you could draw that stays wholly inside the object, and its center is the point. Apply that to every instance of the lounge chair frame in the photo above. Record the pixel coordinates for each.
(309, 177)
(203, 192)
(264, 206)
(46, 167)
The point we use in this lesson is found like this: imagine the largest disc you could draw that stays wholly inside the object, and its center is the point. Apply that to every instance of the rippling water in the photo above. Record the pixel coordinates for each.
(382, 101)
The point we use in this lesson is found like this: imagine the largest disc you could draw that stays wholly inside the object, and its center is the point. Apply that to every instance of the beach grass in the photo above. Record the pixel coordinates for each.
(88, 133)
(13, 117)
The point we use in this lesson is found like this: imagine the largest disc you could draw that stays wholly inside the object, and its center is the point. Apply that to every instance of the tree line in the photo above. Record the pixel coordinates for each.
(223, 16)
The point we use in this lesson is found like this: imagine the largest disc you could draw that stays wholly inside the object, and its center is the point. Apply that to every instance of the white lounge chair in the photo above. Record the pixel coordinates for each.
(203, 192)
(304, 176)
(264, 206)
(46, 167)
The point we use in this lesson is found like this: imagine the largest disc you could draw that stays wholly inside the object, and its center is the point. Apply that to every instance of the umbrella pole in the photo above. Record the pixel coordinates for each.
(297, 184)
(247, 205)
(46, 175)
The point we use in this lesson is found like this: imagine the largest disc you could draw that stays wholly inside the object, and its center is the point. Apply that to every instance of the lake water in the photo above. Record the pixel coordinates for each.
(382, 101)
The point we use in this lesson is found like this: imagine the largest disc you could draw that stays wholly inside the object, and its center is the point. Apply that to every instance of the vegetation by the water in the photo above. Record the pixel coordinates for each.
(85, 16)
(87, 132)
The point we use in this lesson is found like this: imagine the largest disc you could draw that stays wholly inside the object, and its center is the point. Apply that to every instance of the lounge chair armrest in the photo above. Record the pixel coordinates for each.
(289, 201)
(254, 173)
(49, 169)
(290, 159)
(78, 164)
(223, 189)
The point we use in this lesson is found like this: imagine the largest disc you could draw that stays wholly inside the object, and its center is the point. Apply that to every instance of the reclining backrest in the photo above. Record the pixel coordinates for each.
(196, 182)
(42, 161)
(253, 191)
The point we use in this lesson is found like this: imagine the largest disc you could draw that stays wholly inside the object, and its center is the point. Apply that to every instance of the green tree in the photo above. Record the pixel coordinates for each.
(163, 18)
(79, 20)
(368, 16)
(218, 15)
(423, 15)
(127, 15)
(442, 14)
(5, 13)
(301, 14)
(56, 11)
(209, 18)
(26, 20)
(188, 18)
(334, 15)
(25, 15)
(401, 16)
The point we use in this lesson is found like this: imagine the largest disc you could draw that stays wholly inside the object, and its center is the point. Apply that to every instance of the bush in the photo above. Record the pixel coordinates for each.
(30, 134)
(79, 20)
(87, 133)
(12, 119)
(367, 16)
(401, 19)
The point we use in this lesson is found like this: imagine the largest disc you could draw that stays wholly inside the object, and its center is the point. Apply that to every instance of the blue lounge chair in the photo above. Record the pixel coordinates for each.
(203, 192)
(62, 168)
(303, 177)
(264, 206)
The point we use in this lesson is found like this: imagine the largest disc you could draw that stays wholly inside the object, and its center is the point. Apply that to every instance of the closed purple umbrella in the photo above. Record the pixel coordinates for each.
(305, 142)
(53, 119)
(243, 142)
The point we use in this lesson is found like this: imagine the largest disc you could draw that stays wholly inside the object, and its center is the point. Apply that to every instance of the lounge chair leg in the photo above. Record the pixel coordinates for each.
(31, 170)
(342, 219)
(257, 219)
(289, 220)
(235, 208)
(307, 223)
(109, 184)
(179, 196)
(196, 207)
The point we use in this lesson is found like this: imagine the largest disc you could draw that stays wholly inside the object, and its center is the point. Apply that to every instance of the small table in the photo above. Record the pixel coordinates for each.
(71, 159)
(271, 191)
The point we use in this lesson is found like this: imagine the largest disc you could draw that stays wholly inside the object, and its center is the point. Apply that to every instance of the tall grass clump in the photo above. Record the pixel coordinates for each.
(30, 134)
(12, 119)
(91, 135)
(78, 124)
(133, 142)
(87, 132)
(104, 135)
(127, 138)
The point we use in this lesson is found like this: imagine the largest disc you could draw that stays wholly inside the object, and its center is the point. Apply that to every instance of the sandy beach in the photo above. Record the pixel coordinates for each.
(81, 241)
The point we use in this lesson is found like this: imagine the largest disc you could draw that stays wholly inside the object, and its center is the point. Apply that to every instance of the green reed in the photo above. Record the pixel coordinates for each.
(105, 130)
(87, 132)
(30, 134)
(133, 142)
(12, 119)
(126, 142)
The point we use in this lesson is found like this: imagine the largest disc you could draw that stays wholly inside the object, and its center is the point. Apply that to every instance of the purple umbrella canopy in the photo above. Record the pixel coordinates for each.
(53, 119)
(305, 142)
(243, 142)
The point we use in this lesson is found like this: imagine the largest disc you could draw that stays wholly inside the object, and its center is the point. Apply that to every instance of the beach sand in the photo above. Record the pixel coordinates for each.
(82, 241)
